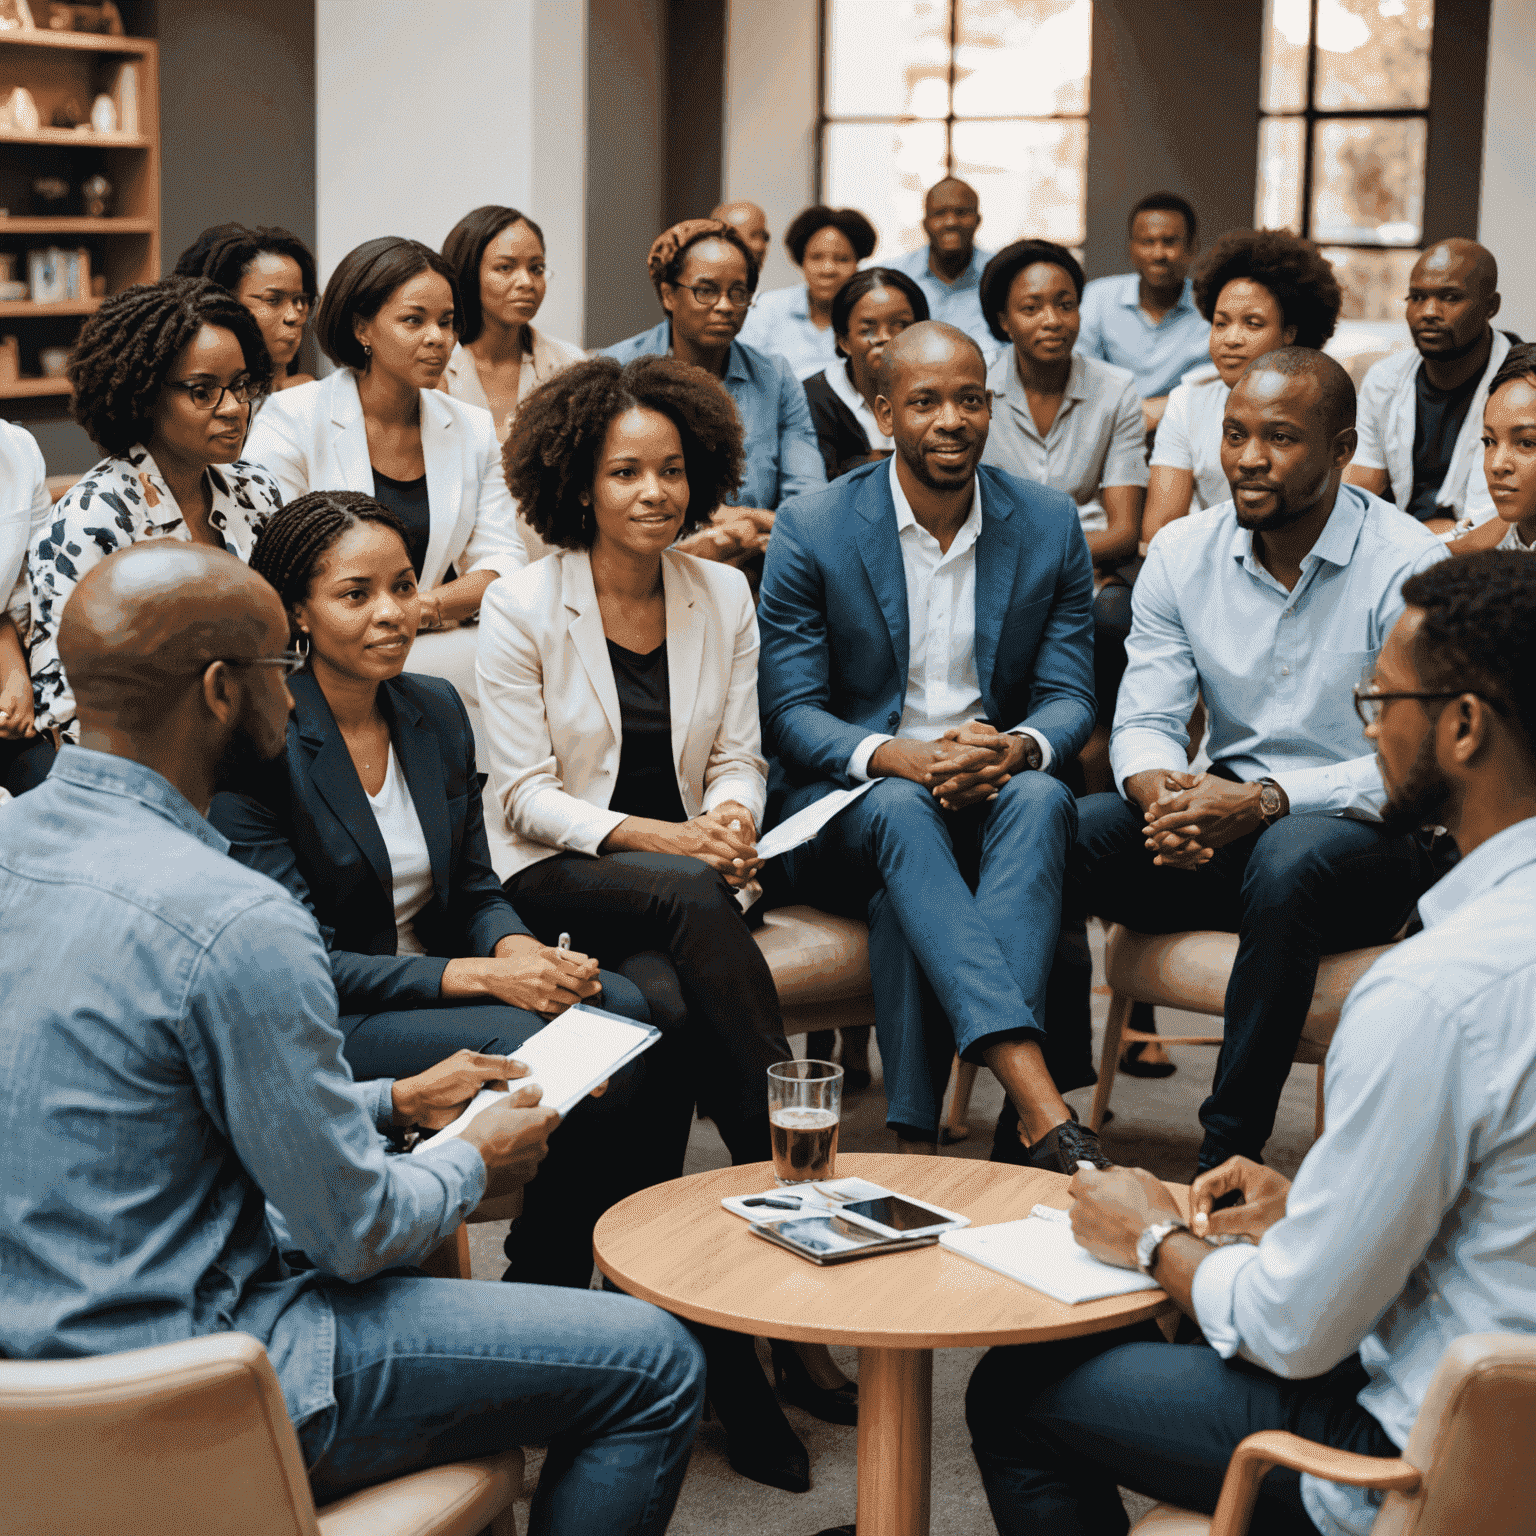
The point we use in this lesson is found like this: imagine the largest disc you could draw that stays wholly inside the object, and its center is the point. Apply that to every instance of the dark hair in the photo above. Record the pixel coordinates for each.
(223, 254)
(295, 539)
(1293, 270)
(998, 275)
(865, 281)
(671, 270)
(362, 283)
(1519, 364)
(551, 453)
(860, 233)
(1479, 631)
(1336, 390)
(464, 249)
(124, 352)
(1166, 202)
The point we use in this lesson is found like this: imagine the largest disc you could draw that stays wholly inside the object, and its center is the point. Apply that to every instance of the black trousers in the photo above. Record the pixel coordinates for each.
(671, 925)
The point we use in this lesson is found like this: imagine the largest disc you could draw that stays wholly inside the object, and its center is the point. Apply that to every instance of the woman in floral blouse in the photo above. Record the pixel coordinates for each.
(164, 375)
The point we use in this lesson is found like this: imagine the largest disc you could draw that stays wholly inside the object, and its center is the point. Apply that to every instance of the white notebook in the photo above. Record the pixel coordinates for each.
(568, 1058)
(1041, 1252)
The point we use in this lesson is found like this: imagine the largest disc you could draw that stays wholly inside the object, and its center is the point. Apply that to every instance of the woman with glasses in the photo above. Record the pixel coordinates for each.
(372, 818)
(705, 277)
(379, 424)
(163, 376)
(272, 273)
(827, 244)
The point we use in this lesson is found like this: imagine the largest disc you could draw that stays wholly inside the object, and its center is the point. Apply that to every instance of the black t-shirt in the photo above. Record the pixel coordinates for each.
(407, 499)
(647, 783)
(1437, 423)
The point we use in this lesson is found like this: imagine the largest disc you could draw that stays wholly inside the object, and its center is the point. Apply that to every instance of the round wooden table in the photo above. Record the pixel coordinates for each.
(674, 1245)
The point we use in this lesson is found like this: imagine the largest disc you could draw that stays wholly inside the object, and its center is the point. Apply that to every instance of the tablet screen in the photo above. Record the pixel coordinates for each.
(898, 1214)
(827, 1234)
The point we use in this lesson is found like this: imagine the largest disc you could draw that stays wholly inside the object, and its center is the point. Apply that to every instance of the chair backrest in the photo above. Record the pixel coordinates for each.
(181, 1437)
(1475, 1442)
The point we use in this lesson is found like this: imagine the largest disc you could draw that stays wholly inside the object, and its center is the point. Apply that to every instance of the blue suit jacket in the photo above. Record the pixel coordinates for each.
(304, 820)
(833, 617)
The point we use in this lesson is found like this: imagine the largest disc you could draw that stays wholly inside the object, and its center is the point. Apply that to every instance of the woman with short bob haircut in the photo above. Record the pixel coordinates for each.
(380, 425)
(827, 244)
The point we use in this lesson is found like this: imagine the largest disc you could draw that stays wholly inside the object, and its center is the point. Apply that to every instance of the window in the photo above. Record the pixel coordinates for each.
(1343, 131)
(992, 91)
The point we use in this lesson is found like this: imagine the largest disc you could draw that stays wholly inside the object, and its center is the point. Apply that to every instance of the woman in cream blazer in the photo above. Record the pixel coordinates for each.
(381, 426)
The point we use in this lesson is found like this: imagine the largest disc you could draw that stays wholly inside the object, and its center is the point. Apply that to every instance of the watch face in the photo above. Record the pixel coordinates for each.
(1269, 800)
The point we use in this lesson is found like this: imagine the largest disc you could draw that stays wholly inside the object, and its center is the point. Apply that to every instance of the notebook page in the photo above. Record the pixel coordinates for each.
(1041, 1252)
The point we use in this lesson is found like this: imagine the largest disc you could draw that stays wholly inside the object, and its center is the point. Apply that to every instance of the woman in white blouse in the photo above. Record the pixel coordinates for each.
(380, 425)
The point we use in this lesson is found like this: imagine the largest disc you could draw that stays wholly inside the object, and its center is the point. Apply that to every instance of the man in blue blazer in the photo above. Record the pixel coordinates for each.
(926, 623)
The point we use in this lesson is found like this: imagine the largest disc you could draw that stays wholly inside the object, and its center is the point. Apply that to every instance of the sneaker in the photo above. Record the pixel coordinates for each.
(1064, 1146)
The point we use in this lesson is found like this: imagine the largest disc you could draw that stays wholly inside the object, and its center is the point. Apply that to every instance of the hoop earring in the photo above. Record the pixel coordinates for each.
(301, 645)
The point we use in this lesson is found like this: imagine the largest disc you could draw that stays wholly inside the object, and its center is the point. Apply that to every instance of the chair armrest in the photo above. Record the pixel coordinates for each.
(1259, 1454)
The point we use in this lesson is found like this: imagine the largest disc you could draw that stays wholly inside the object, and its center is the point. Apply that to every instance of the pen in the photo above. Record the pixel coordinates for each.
(736, 827)
(565, 941)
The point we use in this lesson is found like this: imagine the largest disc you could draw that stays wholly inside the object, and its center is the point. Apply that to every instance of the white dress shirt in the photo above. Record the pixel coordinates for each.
(836, 375)
(943, 691)
(1411, 1221)
(1189, 437)
(1512, 540)
(410, 860)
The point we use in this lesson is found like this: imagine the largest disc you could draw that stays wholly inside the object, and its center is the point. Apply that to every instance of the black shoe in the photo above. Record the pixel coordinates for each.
(832, 1405)
(839, 1530)
(856, 1079)
(759, 1442)
(1133, 1066)
(1064, 1146)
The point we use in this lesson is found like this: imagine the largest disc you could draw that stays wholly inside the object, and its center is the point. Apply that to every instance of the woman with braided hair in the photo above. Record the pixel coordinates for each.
(272, 273)
(372, 818)
(163, 376)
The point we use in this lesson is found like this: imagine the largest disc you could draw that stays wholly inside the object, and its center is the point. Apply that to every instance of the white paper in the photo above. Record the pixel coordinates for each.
(804, 825)
(568, 1058)
(1041, 1252)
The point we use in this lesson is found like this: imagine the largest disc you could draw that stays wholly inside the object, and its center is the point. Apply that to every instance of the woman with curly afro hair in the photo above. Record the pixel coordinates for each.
(163, 376)
(1260, 289)
(618, 684)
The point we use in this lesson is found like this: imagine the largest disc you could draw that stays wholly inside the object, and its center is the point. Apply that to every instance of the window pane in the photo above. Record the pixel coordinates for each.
(1030, 178)
(887, 58)
(1283, 72)
(1021, 58)
(1375, 283)
(1278, 204)
(1373, 53)
(883, 169)
(1368, 181)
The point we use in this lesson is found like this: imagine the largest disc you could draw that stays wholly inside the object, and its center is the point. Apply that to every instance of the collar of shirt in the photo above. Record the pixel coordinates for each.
(1481, 870)
(107, 773)
(1004, 382)
(969, 531)
(842, 386)
(1130, 297)
(1335, 544)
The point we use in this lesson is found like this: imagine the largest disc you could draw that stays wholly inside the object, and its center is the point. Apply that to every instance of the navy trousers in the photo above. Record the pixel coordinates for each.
(1057, 1427)
(963, 912)
(1305, 887)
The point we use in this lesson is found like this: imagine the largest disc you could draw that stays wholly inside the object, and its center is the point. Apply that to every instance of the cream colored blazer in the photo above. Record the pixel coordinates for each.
(550, 708)
(313, 438)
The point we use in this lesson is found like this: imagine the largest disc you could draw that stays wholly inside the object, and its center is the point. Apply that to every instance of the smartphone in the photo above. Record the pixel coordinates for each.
(900, 1217)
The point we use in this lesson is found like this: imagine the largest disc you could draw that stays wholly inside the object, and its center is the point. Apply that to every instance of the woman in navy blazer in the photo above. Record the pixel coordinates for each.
(372, 817)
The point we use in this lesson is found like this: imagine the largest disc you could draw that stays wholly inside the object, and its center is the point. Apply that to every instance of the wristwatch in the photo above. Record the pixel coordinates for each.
(1271, 801)
(1033, 756)
(1151, 1240)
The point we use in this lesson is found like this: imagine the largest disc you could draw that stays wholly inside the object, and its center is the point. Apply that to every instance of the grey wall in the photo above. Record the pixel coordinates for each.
(695, 107)
(1458, 76)
(1159, 72)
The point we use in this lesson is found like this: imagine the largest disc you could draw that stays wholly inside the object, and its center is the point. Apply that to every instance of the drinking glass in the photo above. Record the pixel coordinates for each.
(805, 1103)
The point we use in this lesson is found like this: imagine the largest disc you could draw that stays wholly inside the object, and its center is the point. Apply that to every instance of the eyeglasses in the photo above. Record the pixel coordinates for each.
(707, 295)
(1369, 703)
(289, 661)
(209, 397)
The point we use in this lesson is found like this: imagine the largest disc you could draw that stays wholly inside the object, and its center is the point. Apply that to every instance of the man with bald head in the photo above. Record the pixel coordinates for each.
(1421, 412)
(948, 269)
(1270, 607)
(926, 625)
(750, 222)
(175, 1073)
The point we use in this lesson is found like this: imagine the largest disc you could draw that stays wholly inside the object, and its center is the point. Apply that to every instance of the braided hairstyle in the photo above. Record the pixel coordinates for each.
(551, 453)
(127, 349)
(296, 538)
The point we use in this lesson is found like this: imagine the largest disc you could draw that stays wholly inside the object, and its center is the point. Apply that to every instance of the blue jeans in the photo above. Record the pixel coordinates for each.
(1057, 1427)
(435, 1371)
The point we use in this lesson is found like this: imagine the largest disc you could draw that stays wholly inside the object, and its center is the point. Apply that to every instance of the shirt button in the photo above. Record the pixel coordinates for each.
(893, 719)
(1285, 671)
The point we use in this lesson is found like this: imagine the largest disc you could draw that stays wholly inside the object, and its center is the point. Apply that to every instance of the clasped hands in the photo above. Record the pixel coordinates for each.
(734, 535)
(1190, 815)
(724, 837)
(966, 766)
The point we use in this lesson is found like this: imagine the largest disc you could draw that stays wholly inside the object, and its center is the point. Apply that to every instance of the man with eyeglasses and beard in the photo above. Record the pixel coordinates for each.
(174, 1064)
(1410, 1223)
(1269, 607)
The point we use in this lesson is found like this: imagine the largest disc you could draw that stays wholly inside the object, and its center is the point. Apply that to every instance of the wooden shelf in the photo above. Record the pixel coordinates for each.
(75, 225)
(67, 138)
(24, 389)
(78, 42)
(19, 309)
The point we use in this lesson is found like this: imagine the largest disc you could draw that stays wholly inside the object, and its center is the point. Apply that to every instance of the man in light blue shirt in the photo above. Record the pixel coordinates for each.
(1269, 608)
(1410, 1224)
(948, 269)
(172, 1063)
(1146, 319)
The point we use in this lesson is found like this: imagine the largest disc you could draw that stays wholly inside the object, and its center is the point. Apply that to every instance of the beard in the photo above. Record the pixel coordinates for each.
(916, 460)
(1422, 797)
(1282, 515)
(240, 765)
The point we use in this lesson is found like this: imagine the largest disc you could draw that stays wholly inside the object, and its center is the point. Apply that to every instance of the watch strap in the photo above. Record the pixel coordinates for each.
(1152, 1238)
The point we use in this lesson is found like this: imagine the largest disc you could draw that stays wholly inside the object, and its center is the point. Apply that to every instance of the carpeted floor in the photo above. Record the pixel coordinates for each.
(1156, 1127)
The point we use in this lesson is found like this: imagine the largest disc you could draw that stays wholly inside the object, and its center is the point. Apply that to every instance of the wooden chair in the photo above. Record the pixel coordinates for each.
(1190, 971)
(194, 1436)
(1467, 1465)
